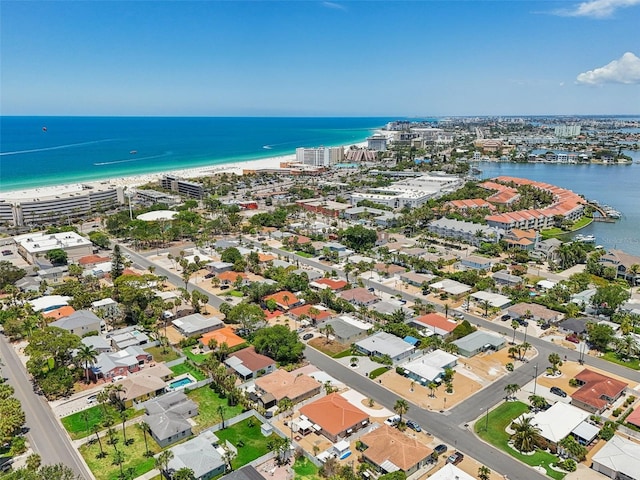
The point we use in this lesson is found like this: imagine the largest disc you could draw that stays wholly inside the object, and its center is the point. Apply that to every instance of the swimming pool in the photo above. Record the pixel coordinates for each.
(181, 383)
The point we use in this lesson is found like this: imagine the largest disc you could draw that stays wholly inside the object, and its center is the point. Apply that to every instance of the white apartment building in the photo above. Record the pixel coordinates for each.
(319, 156)
(34, 245)
(56, 204)
(567, 131)
(411, 192)
(377, 143)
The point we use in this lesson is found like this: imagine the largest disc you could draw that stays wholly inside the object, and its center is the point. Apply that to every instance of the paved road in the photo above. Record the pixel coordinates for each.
(447, 427)
(45, 434)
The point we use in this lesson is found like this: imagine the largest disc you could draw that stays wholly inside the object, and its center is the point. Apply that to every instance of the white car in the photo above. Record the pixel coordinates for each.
(117, 378)
(92, 399)
(392, 421)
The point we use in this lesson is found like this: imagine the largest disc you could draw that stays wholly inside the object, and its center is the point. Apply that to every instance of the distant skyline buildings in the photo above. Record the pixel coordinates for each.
(241, 58)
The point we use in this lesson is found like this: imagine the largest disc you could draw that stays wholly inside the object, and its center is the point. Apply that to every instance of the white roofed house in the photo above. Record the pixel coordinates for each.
(196, 324)
(383, 343)
(430, 367)
(618, 459)
(200, 454)
(79, 323)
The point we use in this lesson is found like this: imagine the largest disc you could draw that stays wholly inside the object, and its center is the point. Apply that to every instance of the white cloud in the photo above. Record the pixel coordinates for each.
(335, 6)
(625, 70)
(597, 8)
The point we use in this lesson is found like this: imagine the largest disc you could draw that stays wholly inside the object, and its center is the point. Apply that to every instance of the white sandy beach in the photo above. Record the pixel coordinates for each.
(136, 180)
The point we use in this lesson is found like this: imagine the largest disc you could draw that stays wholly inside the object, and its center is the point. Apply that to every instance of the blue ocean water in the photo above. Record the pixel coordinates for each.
(41, 151)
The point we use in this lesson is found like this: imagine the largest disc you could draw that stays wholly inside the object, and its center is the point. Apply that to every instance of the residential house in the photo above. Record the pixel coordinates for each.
(468, 232)
(547, 249)
(230, 278)
(280, 384)
(434, 324)
(493, 300)
(107, 308)
(618, 459)
(559, 421)
(247, 472)
(196, 324)
(383, 343)
(168, 415)
(248, 364)
(450, 287)
(145, 384)
(476, 262)
(127, 337)
(121, 363)
(53, 275)
(336, 416)
(58, 313)
(359, 296)
(450, 472)
(536, 312)
(626, 266)
(597, 391)
(479, 341)
(316, 313)
(389, 269)
(416, 279)
(429, 367)
(223, 335)
(347, 330)
(503, 277)
(523, 239)
(218, 267)
(285, 300)
(79, 323)
(97, 343)
(577, 326)
(390, 450)
(330, 283)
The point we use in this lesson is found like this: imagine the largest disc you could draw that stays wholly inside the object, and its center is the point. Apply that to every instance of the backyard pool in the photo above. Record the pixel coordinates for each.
(180, 383)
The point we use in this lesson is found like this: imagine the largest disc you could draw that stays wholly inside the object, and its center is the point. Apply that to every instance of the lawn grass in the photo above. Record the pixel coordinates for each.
(581, 223)
(346, 353)
(614, 358)
(162, 354)
(496, 435)
(329, 348)
(208, 402)
(253, 445)
(552, 232)
(305, 470)
(305, 254)
(186, 367)
(103, 468)
(373, 374)
(79, 428)
(195, 357)
(236, 293)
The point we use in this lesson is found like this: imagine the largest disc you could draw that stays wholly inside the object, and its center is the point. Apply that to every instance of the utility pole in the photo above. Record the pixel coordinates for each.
(535, 379)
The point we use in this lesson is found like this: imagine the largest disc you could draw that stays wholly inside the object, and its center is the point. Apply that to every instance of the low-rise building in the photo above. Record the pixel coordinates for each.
(359, 296)
(493, 300)
(479, 341)
(476, 262)
(503, 277)
(168, 415)
(79, 323)
(390, 450)
(200, 455)
(31, 246)
(626, 265)
(121, 363)
(434, 324)
(347, 329)
(127, 337)
(618, 459)
(472, 233)
(535, 312)
(597, 391)
(285, 300)
(247, 363)
(383, 343)
(430, 367)
(336, 417)
(196, 324)
(451, 287)
(225, 335)
(281, 384)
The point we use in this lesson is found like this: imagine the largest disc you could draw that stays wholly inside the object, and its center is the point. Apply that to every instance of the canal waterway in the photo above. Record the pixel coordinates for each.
(615, 185)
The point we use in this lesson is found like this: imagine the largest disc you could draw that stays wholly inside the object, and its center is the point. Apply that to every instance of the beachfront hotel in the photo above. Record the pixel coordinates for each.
(55, 204)
(320, 156)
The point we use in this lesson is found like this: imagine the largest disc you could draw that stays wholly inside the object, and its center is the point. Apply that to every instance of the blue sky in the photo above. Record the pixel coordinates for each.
(366, 58)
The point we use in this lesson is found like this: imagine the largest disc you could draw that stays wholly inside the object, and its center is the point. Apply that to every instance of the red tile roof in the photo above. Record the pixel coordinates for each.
(223, 335)
(279, 298)
(634, 418)
(231, 277)
(304, 310)
(253, 360)
(92, 259)
(59, 312)
(332, 284)
(438, 321)
(390, 444)
(596, 386)
(334, 413)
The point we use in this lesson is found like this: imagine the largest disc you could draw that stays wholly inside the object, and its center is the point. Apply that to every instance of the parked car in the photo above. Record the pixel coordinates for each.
(224, 287)
(558, 391)
(92, 399)
(414, 426)
(504, 318)
(440, 449)
(6, 252)
(210, 275)
(307, 336)
(455, 458)
(459, 316)
(572, 338)
(392, 421)
(117, 378)
(545, 326)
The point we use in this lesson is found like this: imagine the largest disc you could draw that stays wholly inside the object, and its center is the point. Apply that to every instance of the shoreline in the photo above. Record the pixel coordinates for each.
(130, 181)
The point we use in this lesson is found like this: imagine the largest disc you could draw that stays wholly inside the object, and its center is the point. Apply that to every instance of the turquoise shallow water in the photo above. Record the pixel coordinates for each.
(40, 151)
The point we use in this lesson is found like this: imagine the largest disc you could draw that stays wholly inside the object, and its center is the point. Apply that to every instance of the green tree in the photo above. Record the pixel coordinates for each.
(514, 325)
(117, 263)
(86, 356)
(401, 407)
(573, 448)
(609, 297)
(185, 473)
(600, 335)
(248, 315)
(57, 256)
(555, 361)
(511, 389)
(231, 255)
(99, 239)
(279, 343)
(9, 274)
(484, 473)
(359, 238)
(525, 434)
(162, 460)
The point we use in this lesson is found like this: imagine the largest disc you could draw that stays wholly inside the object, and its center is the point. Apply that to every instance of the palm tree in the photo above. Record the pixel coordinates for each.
(432, 387)
(511, 389)
(102, 398)
(522, 349)
(446, 310)
(484, 473)
(573, 448)
(627, 346)
(96, 430)
(525, 434)
(328, 330)
(354, 362)
(118, 459)
(86, 355)
(554, 360)
(514, 325)
(185, 473)
(538, 402)
(401, 407)
(221, 413)
(163, 459)
(145, 428)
